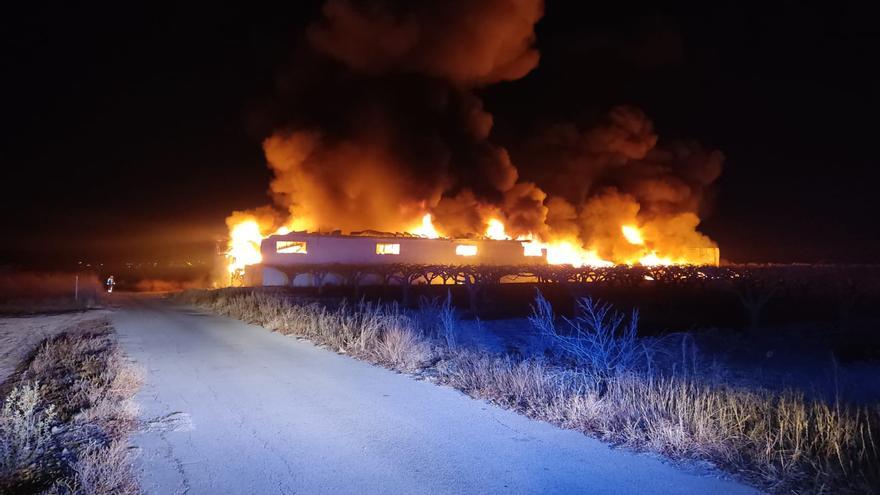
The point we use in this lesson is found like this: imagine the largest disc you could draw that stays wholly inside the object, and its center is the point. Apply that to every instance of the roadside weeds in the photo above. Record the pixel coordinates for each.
(64, 425)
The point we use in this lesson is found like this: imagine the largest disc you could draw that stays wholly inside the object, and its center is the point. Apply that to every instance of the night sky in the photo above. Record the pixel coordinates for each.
(130, 133)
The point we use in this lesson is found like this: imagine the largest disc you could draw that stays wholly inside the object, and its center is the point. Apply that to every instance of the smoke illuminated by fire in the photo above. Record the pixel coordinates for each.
(380, 127)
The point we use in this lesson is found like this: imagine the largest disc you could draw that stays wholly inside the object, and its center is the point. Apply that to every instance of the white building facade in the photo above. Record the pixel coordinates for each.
(300, 250)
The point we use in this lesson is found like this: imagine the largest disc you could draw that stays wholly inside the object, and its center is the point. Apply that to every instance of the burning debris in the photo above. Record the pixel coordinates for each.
(379, 126)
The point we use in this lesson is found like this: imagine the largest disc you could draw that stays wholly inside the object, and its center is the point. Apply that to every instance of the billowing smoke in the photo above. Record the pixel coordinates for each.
(614, 173)
(468, 43)
(378, 122)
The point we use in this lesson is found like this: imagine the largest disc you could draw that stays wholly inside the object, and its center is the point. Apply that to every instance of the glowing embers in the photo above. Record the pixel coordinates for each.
(382, 248)
(290, 247)
(466, 250)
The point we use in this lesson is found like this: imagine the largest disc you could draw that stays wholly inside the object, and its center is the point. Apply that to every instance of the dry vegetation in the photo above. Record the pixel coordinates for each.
(33, 293)
(601, 382)
(66, 417)
(20, 335)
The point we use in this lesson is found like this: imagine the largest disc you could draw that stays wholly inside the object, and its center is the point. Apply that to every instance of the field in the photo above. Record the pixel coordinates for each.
(23, 293)
(21, 335)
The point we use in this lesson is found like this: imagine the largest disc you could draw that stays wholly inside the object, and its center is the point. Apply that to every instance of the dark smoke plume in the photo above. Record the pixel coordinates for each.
(378, 121)
(387, 125)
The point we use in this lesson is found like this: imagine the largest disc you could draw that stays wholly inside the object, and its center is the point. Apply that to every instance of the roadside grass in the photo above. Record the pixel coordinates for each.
(601, 382)
(23, 293)
(47, 305)
(64, 425)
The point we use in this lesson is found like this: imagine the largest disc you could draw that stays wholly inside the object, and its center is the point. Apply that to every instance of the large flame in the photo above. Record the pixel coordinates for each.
(426, 228)
(569, 253)
(495, 230)
(632, 234)
(246, 234)
(244, 245)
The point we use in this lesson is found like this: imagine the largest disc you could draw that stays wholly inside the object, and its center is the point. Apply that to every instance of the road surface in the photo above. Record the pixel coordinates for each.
(234, 408)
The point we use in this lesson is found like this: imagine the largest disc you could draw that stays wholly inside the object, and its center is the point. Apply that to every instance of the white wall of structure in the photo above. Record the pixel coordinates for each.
(329, 249)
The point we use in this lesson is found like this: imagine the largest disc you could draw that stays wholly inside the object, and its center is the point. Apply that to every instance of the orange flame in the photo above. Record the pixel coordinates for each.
(570, 253)
(244, 246)
(633, 234)
(495, 230)
(426, 229)
(246, 234)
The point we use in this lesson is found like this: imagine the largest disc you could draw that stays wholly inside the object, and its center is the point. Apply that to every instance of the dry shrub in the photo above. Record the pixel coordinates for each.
(106, 470)
(401, 349)
(25, 423)
(600, 339)
(522, 385)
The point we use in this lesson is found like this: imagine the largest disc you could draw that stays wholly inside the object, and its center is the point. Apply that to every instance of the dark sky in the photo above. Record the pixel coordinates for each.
(129, 133)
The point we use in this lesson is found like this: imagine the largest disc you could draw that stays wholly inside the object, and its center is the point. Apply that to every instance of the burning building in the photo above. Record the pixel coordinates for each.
(378, 124)
(294, 258)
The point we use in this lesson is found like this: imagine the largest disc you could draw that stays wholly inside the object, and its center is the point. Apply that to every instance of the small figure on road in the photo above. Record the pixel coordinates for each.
(110, 283)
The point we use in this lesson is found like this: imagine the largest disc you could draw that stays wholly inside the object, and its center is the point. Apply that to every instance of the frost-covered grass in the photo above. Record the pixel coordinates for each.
(64, 424)
(602, 383)
(24, 428)
(21, 335)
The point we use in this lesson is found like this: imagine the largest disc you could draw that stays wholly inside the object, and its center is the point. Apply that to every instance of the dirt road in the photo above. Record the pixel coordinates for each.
(233, 408)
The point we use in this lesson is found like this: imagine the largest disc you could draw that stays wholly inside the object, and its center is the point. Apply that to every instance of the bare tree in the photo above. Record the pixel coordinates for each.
(602, 340)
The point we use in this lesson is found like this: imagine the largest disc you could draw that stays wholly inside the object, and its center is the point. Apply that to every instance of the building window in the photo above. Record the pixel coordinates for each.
(466, 250)
(382, 248)
(532, 249)
(290, 247)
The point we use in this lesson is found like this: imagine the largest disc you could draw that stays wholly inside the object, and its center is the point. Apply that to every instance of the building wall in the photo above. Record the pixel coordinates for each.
(271, 276)
(329, 249)
(351, 250)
